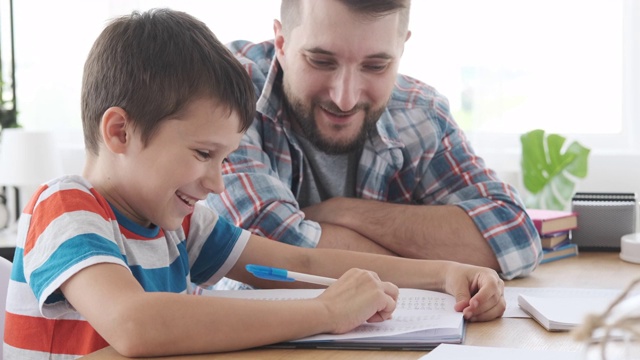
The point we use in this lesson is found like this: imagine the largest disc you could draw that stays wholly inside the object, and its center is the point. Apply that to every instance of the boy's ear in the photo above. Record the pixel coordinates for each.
(115, 129)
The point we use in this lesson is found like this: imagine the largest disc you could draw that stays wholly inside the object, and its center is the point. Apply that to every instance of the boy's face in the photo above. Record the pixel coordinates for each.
(181, 164)
(338, 72)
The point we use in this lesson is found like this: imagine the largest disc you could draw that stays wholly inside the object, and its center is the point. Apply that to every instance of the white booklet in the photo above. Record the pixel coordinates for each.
(511, 294)
(422, 320)
(562, 313)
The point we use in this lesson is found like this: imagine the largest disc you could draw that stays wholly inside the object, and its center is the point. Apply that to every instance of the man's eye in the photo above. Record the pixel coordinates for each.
(321, 63)
(376, 68)
(203, 154)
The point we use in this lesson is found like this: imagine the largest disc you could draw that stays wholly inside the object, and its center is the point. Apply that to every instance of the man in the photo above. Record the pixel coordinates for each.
(345, 153)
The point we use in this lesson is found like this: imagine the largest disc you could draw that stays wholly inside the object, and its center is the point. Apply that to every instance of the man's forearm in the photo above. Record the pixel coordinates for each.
(339, 237)
(443, 232)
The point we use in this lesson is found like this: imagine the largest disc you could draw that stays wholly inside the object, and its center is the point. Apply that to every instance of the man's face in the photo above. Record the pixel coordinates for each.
(339, 71)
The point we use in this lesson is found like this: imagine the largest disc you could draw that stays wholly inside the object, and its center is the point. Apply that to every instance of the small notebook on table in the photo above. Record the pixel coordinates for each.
(422, 320)
(563, 313)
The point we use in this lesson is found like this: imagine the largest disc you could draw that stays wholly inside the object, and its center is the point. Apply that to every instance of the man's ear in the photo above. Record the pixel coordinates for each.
(278, 36)
(115, 129)
(405, 40)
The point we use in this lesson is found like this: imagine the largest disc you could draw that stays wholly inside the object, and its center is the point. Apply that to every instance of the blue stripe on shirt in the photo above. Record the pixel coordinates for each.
(68, 254)
(215, 251)
(170, 279)
(17, 272)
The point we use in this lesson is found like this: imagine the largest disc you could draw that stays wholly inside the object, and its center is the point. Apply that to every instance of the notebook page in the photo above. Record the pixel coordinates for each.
(417, 310)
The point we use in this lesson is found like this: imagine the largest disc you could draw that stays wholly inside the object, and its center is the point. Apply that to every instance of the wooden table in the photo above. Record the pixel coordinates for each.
(587, 270)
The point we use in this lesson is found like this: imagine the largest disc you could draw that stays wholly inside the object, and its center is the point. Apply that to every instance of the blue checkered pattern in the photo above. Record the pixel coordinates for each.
(418, 155)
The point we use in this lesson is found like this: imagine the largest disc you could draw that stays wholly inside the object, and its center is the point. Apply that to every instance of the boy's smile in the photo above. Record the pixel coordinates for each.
(159, 184)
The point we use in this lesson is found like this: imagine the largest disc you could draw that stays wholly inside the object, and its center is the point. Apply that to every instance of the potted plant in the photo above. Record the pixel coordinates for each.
(550, 171)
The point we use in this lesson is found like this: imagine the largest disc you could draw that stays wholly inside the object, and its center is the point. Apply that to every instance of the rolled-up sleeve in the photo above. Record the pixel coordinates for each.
(454, 174)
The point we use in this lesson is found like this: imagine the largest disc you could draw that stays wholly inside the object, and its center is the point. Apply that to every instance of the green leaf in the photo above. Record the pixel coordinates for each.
(549, 174)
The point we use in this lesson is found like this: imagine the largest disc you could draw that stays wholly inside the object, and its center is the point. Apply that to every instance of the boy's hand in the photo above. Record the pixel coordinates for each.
(356, 297)
(479, 291)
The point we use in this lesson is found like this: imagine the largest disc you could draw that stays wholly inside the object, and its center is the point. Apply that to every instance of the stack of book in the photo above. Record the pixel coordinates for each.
(554, 227)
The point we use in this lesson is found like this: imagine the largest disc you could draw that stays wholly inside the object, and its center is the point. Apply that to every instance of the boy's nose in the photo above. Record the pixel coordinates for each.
(212, 181)
(346, 89)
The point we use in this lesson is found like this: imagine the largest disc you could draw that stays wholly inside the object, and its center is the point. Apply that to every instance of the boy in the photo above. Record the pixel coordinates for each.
(107, 258)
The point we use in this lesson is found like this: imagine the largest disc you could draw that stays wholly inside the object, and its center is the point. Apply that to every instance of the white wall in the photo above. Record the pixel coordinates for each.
(607, 172)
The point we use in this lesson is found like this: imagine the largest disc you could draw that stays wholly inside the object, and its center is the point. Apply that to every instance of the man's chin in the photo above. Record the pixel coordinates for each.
(334, 147)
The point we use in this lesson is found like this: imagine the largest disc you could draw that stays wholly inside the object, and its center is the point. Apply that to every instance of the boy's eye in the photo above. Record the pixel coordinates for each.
(204, 155)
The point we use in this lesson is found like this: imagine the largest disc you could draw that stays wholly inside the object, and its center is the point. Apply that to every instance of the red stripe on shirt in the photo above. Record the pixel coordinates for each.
(34, 200)
(54, 206)
(71, 336)
(499, 229)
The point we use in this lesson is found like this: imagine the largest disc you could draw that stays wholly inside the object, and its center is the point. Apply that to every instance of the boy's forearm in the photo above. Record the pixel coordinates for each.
(403, 272)
(178, 324)
(334, 263)
(138, 323)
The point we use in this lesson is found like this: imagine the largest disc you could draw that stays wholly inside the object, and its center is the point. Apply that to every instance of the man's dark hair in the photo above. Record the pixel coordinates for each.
(290, 11)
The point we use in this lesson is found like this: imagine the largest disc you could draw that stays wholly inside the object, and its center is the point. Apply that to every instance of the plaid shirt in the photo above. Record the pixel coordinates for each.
(417, 156)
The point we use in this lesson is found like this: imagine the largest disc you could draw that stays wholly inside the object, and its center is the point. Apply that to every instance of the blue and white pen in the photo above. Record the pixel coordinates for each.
(271, 273)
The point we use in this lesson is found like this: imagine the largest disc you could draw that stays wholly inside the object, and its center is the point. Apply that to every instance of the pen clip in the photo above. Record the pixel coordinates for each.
(269, 273)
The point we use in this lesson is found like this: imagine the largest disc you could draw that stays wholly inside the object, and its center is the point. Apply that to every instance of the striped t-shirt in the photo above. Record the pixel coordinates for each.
(68, 226)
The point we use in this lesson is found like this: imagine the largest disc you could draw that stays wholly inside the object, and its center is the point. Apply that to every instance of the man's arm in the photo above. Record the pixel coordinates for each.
(340, 237)
(496, 234)
(443, 232)
(259, 199)
(433, 197)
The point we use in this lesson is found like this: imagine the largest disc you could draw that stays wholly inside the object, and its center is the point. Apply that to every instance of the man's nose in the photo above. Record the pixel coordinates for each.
(346, 89)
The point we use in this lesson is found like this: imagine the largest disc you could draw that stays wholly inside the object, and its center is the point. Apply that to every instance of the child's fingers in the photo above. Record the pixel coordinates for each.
(483, 314)
(389, 305)
(488, 303)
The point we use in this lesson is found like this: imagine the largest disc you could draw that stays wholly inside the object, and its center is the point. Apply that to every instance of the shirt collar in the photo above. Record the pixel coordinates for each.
(270, 101)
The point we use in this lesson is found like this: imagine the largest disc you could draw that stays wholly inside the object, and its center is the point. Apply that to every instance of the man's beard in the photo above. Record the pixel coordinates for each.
(304, 117)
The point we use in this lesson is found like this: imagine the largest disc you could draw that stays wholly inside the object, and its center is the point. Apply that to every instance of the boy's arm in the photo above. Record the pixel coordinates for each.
(138, 323)
(478, 290)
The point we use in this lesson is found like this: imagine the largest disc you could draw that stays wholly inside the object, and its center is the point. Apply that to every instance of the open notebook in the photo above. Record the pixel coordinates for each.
(422, 320)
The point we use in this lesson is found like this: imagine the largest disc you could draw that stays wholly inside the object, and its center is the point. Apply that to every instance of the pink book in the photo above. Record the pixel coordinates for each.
(553, 221)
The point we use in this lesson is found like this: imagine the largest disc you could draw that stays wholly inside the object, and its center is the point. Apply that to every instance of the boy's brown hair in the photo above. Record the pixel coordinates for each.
(152, 65)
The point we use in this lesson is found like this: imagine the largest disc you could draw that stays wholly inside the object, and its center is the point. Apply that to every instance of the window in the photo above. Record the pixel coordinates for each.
(567, 66)
(508, 67)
